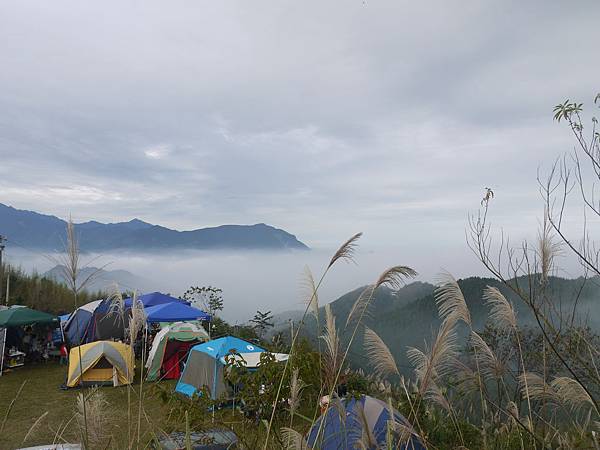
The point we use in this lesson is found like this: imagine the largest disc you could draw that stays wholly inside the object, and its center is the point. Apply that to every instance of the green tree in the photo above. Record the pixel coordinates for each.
(262, 321)
(209, 298)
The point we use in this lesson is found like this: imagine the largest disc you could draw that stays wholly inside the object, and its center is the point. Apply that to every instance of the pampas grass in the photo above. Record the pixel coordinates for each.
(332, 360)
(95, 422)
(346, 250)
(502, 313)
(491, 367)
(295, 441)
(379, 355)
(394, 277)
(360, 305)
(450, 301)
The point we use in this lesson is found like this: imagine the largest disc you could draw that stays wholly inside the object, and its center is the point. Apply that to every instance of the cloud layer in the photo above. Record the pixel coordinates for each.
(323, 118)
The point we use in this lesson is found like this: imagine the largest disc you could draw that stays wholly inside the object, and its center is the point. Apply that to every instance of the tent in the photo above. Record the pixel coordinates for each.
(174, 312)
(102, 362)
(171, 345)
(153, 299)
(16, 317)
(76, 326)
(107, 322)
(204, 366)
(347, 421)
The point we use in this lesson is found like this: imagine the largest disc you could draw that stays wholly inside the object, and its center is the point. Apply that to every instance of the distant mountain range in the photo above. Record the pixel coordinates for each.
(103, 280)
(39, 231)
(409, 316)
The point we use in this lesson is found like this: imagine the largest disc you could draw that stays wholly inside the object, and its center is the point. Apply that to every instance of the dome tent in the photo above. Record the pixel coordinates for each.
(204, 366)
(76, 326)
(348, 421)
(101, 363)
(170, 346)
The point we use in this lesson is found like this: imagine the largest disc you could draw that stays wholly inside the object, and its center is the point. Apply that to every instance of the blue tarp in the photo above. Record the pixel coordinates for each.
(153, 299)
(174, 312)
(346, 420)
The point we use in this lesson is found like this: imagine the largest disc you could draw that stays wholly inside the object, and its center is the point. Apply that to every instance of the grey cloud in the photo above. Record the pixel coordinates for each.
(322, 118)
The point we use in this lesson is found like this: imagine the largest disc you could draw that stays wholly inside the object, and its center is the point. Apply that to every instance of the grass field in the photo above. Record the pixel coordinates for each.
(41, 393)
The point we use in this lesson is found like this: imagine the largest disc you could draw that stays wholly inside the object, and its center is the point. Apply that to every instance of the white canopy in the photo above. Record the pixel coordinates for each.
(253, 359)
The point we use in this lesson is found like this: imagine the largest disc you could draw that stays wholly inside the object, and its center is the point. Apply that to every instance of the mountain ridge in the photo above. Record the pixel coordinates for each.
(47, 232)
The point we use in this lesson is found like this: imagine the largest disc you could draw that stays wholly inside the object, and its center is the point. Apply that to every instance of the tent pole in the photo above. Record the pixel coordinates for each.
(3, 334)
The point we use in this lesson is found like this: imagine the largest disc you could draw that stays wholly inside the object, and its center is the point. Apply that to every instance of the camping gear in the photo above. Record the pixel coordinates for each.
(102, 362)
(204, 366)
(75, 328)
(215, 439)
(16, 317)
(107, 322)
(347, 421)
(174, 312)
(252, 360)
(171, 346)
(153, 299)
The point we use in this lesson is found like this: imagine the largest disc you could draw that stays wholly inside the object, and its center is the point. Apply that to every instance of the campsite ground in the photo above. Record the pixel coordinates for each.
(41, 393)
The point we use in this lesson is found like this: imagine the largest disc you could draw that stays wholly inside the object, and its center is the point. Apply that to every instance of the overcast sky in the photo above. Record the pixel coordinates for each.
(320, 117)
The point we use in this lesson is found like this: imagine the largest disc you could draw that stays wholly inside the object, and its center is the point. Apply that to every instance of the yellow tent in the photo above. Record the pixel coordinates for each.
(102, 362)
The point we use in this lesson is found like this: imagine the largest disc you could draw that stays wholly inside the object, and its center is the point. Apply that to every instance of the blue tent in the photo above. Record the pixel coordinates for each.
(348, 420)
(204, 366)
(153, 299)
(78, 324)
(174, 312)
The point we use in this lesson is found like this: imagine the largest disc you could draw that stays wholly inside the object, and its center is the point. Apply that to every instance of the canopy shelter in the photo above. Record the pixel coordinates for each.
(76, 327)
(174, 312)
(204, 366)
(349, 422)
(21, 316)
(153, 299)
(101, 363)
(170, 347)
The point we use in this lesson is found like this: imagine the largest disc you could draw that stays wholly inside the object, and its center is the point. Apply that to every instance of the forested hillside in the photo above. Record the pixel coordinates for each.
(409, 317)
(40, 292)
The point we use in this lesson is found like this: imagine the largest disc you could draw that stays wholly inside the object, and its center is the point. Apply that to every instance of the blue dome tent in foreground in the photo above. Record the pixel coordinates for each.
(205, 363)
(352, 422)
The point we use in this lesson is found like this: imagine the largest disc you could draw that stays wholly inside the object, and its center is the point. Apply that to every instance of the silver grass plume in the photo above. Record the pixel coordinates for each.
(97, 415)
(294, 440)
(538, 388)
(296, 386)
(439, 361)
(332, 357)
(502, 313)
(379, 355)
(359, 308)
(491, 367)
(311, 296)
(547, 249)
(137, 320)
(346, 251)
(450, 300)
(394, 277)
(571, 393)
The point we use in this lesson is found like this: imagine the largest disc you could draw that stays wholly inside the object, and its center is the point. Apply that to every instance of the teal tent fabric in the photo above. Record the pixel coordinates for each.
(16, 317)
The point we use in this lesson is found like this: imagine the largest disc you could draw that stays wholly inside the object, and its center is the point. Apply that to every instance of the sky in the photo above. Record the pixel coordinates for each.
(321, 118)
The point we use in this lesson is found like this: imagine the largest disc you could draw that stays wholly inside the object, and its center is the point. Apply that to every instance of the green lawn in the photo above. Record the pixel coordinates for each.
(42, 393)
